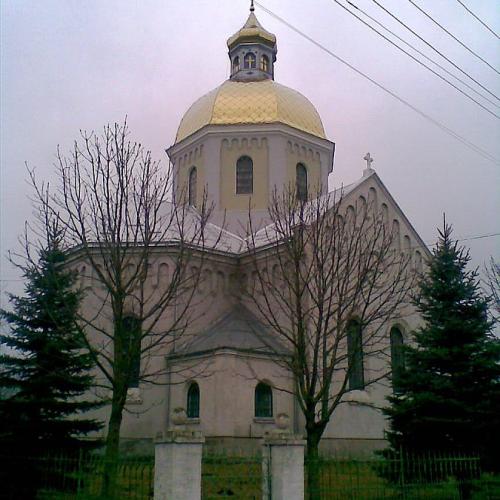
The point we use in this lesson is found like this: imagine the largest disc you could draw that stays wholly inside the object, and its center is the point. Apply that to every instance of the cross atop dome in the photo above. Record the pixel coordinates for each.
(252, 51)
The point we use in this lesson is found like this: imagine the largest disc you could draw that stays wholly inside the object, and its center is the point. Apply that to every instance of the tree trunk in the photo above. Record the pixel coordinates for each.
(113, 443)
(312, 464)
(464, 489)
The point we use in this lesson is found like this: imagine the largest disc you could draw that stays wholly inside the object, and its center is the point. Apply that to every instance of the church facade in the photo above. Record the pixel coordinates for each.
(235, 146)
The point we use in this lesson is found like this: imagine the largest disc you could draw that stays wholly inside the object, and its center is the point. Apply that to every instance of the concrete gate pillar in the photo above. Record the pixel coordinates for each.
(178, 465)
(283, 467)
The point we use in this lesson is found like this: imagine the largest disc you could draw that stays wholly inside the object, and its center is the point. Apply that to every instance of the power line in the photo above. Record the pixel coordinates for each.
(443, 127)
(457, 240)
(456, 66)
(479, 237)
(474, 15)
(425, 56)
(453, 36)
(414, 58)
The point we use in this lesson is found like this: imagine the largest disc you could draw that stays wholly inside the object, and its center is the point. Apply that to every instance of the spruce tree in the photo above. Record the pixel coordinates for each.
(44, 368)
(450, 390)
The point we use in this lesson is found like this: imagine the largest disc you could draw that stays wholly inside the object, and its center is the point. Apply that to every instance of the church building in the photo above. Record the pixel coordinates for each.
(236, 145)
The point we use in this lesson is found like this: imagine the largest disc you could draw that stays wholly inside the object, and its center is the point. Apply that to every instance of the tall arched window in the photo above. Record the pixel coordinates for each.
(396, 238)
(362, 206)
(356, 376)
(193, 401)
(264, 63)
(263, 401)
(250, 60)
(372, 200)
(397, 358)
(236, 64)
(418, 261)
(131, 337)
(193, 186)
(244, 175)
(384, 211)
(301, 181)
(406, 244)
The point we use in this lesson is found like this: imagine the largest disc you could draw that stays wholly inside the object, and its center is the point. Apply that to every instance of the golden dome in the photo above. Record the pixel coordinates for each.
(238, 103)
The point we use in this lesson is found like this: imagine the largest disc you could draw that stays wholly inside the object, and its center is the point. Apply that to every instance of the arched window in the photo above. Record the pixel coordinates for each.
(301, 181)
(350, 215)
(396, 239)
(131, 337)
(263, 401)
(250, 60)
(356, 376)
(193, 181)
(372, 199)
(193, 401)
(384, 210)
(407, 243)
(418, 261)
(362, 206)
(244, 175)
(264, 63)
(236, 64)
(397, 358)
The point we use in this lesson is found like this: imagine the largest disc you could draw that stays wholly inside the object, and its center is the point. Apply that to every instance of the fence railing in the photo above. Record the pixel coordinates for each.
(76, 477)
(240, 476)
(233, 475)
(404, 477)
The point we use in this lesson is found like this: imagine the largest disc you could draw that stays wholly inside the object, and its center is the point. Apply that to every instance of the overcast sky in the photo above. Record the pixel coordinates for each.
(68, 65)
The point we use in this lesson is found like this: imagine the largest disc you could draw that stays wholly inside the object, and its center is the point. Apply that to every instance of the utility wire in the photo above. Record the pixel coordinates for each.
(474, 15)
(418, 61)
(453, 36)
(434, 49)
(425, 56)
(443, 127)
(479, 237)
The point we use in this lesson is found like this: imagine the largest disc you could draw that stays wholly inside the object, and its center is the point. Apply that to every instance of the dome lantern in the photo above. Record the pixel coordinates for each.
(252, 51)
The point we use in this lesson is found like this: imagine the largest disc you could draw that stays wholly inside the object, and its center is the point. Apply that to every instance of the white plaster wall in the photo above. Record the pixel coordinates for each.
(227, 389)
(146, 410)
(228, 379)
(277, 136)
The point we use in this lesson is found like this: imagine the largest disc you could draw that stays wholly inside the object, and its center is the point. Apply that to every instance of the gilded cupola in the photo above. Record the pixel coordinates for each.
(248, 137)
(251, 96)
(252, 51)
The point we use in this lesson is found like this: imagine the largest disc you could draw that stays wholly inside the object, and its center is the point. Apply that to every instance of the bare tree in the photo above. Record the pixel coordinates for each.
(492, 272)
(113, 201)
(329, 276)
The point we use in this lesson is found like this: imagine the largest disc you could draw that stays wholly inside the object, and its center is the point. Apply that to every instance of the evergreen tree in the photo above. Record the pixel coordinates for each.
(44, 371)
(449, 397)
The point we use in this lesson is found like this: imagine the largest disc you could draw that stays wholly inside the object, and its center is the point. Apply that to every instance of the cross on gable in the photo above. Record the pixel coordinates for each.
(369, 160)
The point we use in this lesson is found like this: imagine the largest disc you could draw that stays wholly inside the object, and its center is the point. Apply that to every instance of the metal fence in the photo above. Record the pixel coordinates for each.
(405, 477)
(233, 475)
(240, 476)
(80, 477)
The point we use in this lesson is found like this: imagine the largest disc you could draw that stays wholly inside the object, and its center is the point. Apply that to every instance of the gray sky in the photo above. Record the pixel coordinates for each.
(68, 65)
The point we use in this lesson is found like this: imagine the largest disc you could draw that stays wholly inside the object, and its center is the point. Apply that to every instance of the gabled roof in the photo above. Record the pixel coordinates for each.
(238, 330)
(218, 239)
(268, 234)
